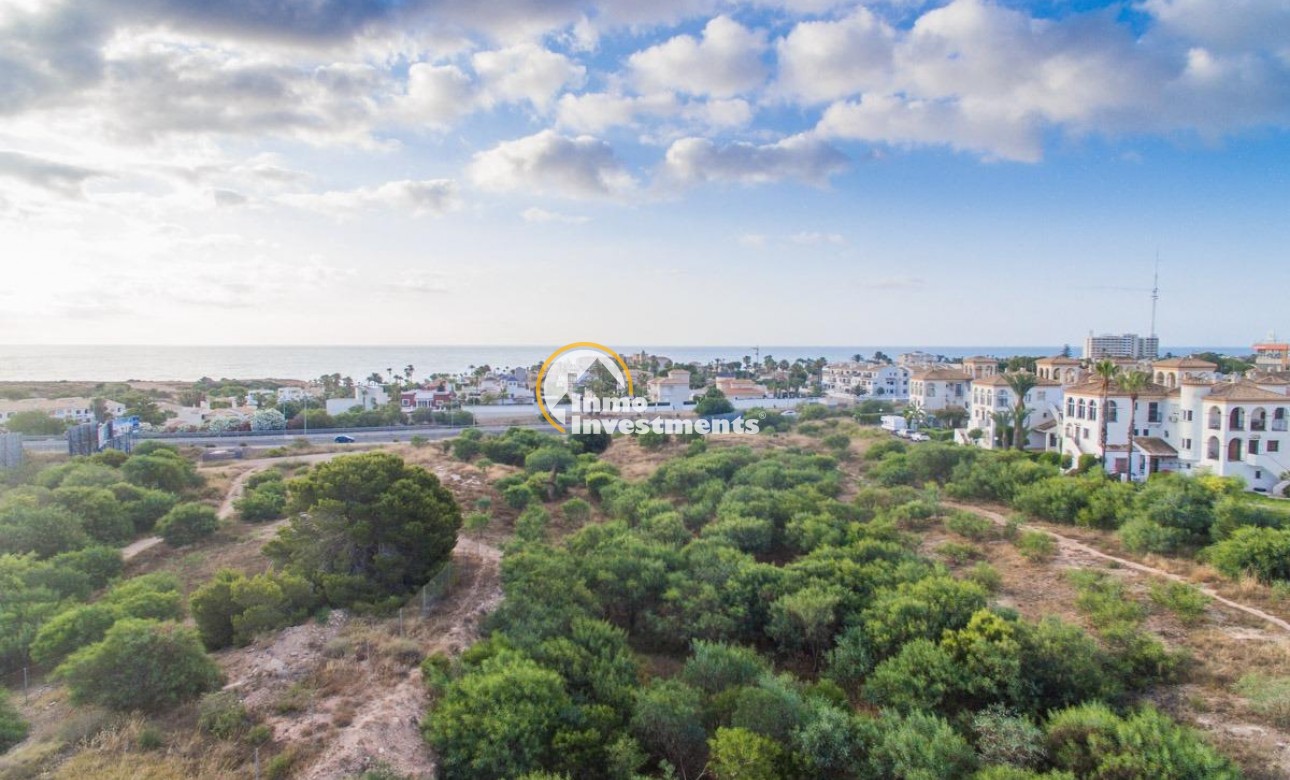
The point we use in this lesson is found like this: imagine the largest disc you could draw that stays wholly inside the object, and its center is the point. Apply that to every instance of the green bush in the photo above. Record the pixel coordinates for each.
(100, 513)
(231, 609)
(140, 664)
(1092, 741)
(71, 630)
(959, 553)
(1036, 546)
(971, 526)
(1263, 553)
(920, 745)
(739, 754)
(576, 511)
(518, 496)
(986, 576)
(1187, 602)
(1003, 737)
(222, 715)
(13, 729)
(266, 501)
(187, 524)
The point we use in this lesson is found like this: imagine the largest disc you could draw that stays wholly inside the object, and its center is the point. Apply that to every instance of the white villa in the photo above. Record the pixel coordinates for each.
(671, 390)
(933, 389)
(869, 380)
(366, 396)
(992, 395)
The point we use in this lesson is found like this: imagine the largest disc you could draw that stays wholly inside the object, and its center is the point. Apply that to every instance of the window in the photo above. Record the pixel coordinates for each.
(1274, 446)
(1070, 407)
(1112, 411)
(1187, 416)
(1186, 444)
(1254, 447)
(1153, 412)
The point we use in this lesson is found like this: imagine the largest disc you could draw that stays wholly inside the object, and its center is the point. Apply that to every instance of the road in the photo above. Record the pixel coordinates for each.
(358, 434)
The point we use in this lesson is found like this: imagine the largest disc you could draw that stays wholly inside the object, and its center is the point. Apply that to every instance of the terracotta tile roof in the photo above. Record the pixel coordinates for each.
(1155, 447)
(941, 375)
(1244, 391)
(1059, 360)
(1185, 362)
(1094, 387)
(1001, 380)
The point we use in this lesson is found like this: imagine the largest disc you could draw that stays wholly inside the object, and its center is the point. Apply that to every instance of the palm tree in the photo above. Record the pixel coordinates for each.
(1133, 384)
(1106, 370)
(857, 357)
(1002, 426)
(953, 416)
(1020, 383)
(408, 371)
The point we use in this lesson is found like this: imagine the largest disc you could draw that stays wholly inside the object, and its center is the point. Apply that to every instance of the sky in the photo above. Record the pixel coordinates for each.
(665, 172)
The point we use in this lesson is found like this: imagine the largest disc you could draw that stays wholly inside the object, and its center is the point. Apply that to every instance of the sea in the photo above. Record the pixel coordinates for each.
(120, 363)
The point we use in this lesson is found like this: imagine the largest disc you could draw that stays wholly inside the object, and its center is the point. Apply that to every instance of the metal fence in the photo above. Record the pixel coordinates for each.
(437, 588)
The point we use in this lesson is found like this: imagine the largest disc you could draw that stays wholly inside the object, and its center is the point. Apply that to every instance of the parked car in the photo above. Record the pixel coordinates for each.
(916, 436)
(343, 439)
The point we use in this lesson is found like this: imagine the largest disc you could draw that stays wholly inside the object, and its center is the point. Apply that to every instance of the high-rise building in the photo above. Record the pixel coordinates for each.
(1124, 345)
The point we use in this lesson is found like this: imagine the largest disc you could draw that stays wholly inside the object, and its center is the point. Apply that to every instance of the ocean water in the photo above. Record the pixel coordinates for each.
(160, 363)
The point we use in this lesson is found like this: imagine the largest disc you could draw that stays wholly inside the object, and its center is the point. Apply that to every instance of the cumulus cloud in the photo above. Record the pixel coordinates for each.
(694, 160)
(595, 112)
(225, 198)
(525, 72)
(547, 162)
(725, 61)
(825, 60)
(57, 177)
(431, 196)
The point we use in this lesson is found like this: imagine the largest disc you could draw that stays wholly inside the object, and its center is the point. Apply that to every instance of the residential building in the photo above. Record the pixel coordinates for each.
(1128, 345)
(1272, 355)
(1059, 368)
(981, 366)
(1235, 428)
(366, 396)
(735, 388)
(671, 390)
(917, 359)
(867, 380)
(933, 389)
(1172, 372)
(992, 396)
(72, 410)
(440, 396)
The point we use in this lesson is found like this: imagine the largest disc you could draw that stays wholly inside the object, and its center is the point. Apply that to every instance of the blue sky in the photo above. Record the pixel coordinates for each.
(682, 171)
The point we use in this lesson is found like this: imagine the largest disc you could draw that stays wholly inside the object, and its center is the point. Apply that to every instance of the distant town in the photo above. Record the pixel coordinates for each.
(1119, 402)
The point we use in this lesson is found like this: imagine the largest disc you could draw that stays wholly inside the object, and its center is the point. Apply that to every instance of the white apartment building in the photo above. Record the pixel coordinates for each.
(1232, 428)
(866, 380)
(933, 389)
(367, 396)
(992, 395)
(1124, 345)
(1059, 368)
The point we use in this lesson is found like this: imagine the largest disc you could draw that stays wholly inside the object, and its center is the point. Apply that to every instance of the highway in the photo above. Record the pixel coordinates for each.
(360, 435)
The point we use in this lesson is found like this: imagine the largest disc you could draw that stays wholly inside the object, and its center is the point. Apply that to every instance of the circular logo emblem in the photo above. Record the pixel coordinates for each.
(581, 368)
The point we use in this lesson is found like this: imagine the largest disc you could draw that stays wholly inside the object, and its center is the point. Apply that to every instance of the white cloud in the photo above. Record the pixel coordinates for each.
(525, 72)
(824, 60)
(432, 196)
(726, 61)
(539, 215)
(962, 126)
(581, 166)
(437, 95)
(1232, 25)
(693, 160)
(595, 112)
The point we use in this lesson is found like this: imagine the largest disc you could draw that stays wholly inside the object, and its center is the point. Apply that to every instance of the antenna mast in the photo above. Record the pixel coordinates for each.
(1155, 294)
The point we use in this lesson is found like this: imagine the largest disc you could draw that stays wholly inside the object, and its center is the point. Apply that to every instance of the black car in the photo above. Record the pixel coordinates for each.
(343, 439)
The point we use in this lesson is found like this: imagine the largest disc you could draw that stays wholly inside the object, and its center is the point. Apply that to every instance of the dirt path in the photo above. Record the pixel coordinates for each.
(1071, 545)
(235, 490)
(382, 702)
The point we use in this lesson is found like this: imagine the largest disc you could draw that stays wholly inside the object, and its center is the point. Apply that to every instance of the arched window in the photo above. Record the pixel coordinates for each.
(1081, 409)
(1234, 449)
(1258, 419)
(1092, 410)
(1215, 418)
(1279, 419)
(1112, 411)
(1173, 380)
(1212, 448)
(1070, 407)
(1236, 419)
(1160, 377)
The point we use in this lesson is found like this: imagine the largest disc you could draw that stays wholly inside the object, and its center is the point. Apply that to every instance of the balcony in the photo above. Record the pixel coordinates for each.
(1279, 425)
(1258, 425)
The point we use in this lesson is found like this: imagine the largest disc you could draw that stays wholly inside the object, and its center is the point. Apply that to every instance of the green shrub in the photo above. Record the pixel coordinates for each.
(959, 553)
(1036, 546)
(920, 745)
(576, 511)
(1263, 553)
(71, 630)
(971, 526)
(13, 729)
(1187, 602)
(1105, 599)
(266, 501)
(739, 754)
(187, 524)
(986, 576)
(1092, 741)
(1003, 737)
(1268, 696)
(140, 664)
(477, 521)
(518, 496)
(222, 715)
(652, 440)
